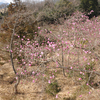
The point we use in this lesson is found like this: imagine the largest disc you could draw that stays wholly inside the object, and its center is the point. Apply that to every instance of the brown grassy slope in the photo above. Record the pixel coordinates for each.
(71, 87)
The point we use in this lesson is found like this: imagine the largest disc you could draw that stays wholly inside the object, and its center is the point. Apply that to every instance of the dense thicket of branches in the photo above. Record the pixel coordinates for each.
(74, 48)
(88, 5)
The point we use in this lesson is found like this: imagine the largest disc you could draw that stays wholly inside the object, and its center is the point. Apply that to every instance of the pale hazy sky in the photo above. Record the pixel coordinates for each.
(6, 1)
(12, 0)
(9, 1)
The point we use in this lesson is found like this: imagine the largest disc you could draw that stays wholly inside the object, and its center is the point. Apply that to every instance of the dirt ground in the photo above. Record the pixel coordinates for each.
(32, 91)
(27, 90)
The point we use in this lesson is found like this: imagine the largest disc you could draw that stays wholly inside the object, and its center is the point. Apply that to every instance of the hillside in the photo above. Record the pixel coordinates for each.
(47, 56)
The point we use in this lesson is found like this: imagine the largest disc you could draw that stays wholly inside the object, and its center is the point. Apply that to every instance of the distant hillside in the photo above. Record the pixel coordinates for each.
(3, 3)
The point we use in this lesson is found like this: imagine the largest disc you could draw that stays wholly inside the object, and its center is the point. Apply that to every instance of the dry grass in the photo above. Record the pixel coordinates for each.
(4, 38)
(32, 91)
(71, 87)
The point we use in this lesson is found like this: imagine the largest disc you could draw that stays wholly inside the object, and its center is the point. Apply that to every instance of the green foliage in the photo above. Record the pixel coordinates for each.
(89, 67)
(35, 14)
(70, 74)
(88, 5)
(19, 58)
(2, 63)
(53, 88)
(28, 30)
(83, 89)
(70, 98)
(84, 42)
(52, 12)
(49, 13)
(65, 7)
(41, 40)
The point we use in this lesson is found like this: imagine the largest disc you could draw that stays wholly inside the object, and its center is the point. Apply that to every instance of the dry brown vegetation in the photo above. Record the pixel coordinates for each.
(71, 88)
(65, 73)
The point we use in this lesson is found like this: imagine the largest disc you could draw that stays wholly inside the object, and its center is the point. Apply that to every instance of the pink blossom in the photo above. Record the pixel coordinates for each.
(91, 11)
(55, 70)
(49, 81)
(80, 72)
(33, 72)
(87, 84)
(88, 63)
(80, 79)
(80, 96)
(57, 54)
(38, 27)
(16, 78)
(92, 59)
(50, 77)
(56, 96)
(11, 51)
(50, 31)
(23, 36)
(42, 53)
(33, 81)
(53, 76)
(29, 64)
